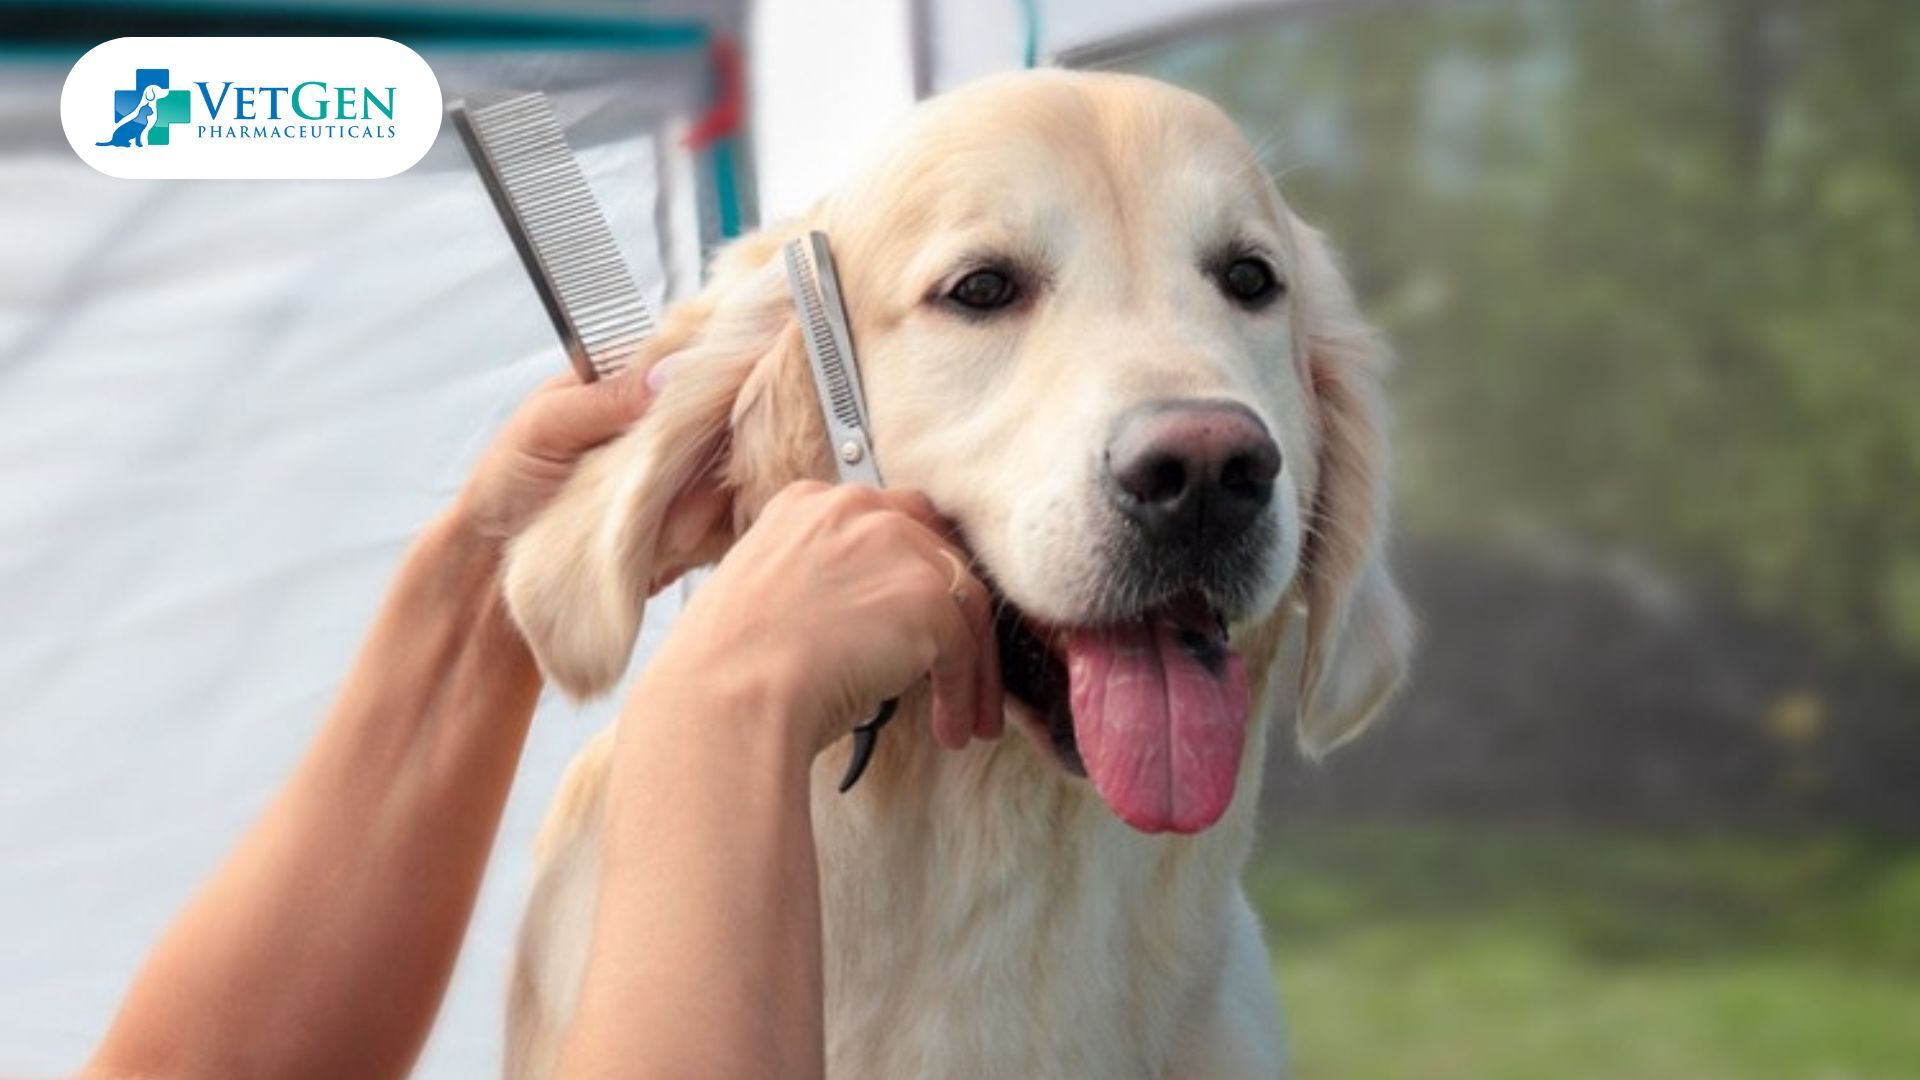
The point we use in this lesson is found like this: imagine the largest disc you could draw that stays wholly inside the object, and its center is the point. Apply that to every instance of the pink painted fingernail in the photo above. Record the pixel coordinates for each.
(660, 372)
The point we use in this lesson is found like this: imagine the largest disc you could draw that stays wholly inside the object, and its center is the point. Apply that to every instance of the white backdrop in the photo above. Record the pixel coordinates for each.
(224, 409)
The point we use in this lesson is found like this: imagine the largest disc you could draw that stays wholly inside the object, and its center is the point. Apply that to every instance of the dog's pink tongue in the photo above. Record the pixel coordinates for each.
(1160, 713)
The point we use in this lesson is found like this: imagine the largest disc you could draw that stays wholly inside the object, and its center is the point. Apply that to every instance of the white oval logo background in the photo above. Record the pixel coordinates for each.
(251, 108)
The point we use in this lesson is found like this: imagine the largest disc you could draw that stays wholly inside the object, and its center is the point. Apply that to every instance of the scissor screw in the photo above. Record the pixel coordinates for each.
(850, 452)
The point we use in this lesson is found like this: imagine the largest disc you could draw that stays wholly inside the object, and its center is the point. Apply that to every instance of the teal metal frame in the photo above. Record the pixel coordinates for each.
(42, 32)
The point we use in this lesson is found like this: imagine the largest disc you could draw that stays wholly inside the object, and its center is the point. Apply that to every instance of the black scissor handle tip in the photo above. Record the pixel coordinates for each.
(865, 737)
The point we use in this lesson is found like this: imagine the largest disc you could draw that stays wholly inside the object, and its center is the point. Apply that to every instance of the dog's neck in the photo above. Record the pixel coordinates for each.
(965, 880)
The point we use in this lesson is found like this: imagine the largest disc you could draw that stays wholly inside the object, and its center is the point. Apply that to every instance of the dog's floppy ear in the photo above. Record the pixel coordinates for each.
(1359, 632)
(659, 499)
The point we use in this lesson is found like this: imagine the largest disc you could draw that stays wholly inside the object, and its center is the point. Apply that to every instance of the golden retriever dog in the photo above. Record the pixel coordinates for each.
(1091, 331)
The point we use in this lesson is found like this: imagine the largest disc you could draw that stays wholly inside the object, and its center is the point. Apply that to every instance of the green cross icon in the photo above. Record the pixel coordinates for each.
(173, 107)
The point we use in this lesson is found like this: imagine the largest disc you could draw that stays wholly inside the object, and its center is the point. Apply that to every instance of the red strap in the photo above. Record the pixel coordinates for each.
(723, 118)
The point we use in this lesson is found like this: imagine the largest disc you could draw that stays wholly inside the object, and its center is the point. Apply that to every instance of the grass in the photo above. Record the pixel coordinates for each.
(1436, 953)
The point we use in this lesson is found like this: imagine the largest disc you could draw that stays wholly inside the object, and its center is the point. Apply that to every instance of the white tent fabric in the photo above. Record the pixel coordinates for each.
(224, 409)
(832, 75)
(965, 39)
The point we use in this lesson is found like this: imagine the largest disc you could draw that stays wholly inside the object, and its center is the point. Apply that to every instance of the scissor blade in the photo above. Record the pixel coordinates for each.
(823, 324)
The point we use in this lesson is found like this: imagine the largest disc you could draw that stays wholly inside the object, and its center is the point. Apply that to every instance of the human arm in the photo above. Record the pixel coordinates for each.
(323, 944)
(706, 947)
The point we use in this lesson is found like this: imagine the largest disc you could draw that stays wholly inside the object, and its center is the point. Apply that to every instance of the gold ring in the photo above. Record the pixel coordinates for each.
(957, 587)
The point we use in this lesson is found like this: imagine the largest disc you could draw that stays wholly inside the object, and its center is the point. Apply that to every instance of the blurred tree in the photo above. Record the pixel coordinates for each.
(1653, 267)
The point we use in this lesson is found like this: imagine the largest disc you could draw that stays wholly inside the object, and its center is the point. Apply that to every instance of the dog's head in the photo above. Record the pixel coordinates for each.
(1092, 333)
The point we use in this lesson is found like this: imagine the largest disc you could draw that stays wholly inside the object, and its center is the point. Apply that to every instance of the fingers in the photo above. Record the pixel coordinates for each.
(938, 608)
(987, 718)
(966, 670)
(566, 418)
(975, 603)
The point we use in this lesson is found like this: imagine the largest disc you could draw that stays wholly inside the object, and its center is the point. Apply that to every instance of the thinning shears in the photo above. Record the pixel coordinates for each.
(836, 376)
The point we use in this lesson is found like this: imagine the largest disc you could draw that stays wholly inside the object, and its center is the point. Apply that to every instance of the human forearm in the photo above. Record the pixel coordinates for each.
(706, 954)
(324, 943)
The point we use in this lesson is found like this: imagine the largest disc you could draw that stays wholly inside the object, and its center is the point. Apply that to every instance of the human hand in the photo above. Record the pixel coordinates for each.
(846, 596)
(539, 446)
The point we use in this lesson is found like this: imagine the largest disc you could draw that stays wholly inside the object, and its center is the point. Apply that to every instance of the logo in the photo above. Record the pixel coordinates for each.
(142, 115)
(251, 108)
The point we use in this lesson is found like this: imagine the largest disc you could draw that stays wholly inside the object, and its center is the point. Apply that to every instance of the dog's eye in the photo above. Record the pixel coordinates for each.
(1250, 281)
(984, 290)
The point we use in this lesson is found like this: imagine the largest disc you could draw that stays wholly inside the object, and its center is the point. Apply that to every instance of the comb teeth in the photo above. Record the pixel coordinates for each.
(840, 399)
(557, 228)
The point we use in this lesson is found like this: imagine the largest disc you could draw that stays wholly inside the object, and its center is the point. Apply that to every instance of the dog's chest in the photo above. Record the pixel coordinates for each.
(1003, 925)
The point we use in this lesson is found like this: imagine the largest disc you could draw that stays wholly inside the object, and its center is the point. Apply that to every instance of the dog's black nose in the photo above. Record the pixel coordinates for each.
(1191, 471)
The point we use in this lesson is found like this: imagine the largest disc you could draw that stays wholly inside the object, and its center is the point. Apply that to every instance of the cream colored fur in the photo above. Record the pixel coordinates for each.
(986, 915)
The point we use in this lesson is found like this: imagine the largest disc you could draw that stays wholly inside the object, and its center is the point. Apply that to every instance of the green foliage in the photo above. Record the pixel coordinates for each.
(1653, 268)
(1454, 952)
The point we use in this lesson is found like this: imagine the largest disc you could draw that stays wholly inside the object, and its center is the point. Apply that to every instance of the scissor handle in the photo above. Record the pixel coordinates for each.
(865, 737)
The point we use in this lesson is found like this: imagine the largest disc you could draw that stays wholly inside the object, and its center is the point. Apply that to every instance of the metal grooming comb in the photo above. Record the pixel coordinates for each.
(823, 320)
(557, 228)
